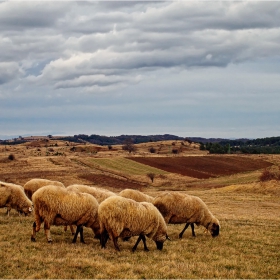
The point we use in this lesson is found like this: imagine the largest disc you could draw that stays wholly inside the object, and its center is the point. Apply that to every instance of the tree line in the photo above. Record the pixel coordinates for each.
(268, 145)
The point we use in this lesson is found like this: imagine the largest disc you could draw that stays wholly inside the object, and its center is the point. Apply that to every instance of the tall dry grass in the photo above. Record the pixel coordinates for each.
(248, 246)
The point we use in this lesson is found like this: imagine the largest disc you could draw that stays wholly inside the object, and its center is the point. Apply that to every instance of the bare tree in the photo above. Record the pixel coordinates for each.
(151, 176)
(129, 146)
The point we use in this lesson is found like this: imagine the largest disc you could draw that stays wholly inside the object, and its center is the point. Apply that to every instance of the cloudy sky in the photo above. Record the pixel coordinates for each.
(188, 68)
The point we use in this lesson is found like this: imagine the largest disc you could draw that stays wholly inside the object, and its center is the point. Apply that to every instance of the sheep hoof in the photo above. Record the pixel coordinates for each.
(33, 239)
(50, 241)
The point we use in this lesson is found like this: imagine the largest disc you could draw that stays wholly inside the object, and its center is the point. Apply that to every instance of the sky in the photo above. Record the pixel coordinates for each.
(187, 68)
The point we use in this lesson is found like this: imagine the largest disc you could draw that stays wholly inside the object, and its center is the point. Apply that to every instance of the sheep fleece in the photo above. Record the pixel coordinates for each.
(99, 193)
(178, 208)
(136, 195)
(122, 215)
(34, 184)
(58, 206)
(13, 196)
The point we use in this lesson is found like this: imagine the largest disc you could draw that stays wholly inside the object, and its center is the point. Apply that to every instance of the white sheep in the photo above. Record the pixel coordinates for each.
(12, 196)
(54, 205)
(140, 197)
(34, 184)
(99, 193)
(179, 208)
(136, 195)
(124, 217)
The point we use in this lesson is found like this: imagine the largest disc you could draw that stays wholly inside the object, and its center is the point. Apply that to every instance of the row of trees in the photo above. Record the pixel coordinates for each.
(269, 145)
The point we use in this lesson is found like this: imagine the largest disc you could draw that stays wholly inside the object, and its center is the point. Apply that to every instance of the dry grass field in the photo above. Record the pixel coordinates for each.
(248, 210)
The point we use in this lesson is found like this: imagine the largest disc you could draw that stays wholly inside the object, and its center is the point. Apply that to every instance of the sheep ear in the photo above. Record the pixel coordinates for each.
(167, 237)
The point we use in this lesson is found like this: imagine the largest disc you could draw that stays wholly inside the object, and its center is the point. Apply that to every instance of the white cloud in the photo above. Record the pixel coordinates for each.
(167, 60)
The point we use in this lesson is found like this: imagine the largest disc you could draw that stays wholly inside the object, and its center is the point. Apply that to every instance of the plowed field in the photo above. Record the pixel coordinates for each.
(204, 167)
(114, 183)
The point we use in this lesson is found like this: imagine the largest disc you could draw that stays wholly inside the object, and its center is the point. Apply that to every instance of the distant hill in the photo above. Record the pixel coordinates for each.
(269, 145)
(119, 140)
(215, 140)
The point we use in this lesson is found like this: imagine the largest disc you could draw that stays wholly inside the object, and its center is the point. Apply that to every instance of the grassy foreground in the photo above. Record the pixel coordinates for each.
(248, 246)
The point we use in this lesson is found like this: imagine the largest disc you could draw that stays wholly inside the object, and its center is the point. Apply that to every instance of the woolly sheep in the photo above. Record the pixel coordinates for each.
(34, 184)
(136, 195)
(99, 193)
(140, 197)
(124, 217)
(54, 205)
(178, 208)
(12, 196)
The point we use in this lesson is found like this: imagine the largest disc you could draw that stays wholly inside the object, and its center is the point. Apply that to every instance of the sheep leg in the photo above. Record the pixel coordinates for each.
(8, 211)
(104, 238)
(72, 229)
(82, 235)
(115, 240)
(81, 231)
(143, 238)
(47, 232)
(33, 236)
(37, 223)
(192, 226)
(186, 226)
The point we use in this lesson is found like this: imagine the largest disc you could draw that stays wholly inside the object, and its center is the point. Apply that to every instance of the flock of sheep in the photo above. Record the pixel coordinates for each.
(110, 215)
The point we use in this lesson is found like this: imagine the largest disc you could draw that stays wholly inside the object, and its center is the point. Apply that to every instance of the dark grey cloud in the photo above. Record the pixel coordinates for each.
(20, 15)
(9, 71)
(176, 63)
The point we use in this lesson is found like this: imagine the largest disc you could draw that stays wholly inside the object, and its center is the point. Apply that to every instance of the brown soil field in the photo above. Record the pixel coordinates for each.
(204, 167)
(72, 163)
(247, 208)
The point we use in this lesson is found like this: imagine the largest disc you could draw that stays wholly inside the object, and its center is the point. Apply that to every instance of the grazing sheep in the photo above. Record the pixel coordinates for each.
(34, 184)
(179, 208)
(54, 205)
(136, 195)
(12, 196)
(99, 193)
(124, 217)
(140, 197)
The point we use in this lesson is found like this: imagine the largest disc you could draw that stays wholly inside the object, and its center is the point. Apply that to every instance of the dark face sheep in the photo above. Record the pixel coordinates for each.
(179, 208)
(124, 218)
(159, 245)
(214, 229)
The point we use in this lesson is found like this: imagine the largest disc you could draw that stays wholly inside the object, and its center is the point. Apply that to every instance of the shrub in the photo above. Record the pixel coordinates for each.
(152, 150)
(269, 175)
(188, 140)
(151, 176)
(11, 157)
(129, 146)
